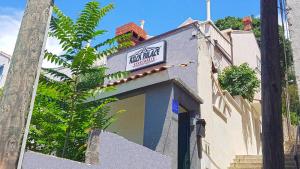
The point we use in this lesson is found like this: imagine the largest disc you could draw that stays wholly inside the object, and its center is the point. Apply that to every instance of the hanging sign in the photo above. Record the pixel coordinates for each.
(146, 56)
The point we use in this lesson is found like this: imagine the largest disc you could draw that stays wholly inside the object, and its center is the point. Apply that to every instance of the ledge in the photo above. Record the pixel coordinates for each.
(219, 113)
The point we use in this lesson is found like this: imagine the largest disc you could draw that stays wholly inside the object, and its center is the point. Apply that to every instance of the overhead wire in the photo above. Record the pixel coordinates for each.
(286, 78)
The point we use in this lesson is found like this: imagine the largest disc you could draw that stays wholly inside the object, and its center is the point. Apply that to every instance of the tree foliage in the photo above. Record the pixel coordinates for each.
(239, 80)
(62, 115)
(294, 103)
(236, 23)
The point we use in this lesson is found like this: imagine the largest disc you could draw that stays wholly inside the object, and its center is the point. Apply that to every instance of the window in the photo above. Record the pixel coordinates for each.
(258, 63)
(1, 71)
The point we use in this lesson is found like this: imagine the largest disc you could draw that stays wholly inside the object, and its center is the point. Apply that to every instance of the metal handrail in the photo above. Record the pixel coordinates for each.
(296, 158)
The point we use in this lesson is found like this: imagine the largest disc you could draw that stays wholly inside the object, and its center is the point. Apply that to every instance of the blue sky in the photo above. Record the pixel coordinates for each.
(160, 15)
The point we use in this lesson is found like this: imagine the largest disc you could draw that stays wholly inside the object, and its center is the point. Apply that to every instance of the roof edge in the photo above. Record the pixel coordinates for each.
(5, 55)
(155, 38)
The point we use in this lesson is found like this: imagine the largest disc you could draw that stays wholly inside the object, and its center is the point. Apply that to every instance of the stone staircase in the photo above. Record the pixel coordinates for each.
(247, 162)
(255, 162)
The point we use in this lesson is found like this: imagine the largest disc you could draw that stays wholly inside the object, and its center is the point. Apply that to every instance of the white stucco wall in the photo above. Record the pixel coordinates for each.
(4, 60)
(233, 126)
(246, 50)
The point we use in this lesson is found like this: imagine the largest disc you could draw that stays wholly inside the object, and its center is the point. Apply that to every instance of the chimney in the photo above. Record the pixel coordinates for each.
(247, 23)
(138, 34)
(208, 16)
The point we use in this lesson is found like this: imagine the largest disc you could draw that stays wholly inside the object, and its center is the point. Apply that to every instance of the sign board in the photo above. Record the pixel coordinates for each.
(146, 56)
(175, 106)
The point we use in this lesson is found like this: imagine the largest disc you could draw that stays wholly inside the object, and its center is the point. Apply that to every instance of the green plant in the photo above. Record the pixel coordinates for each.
(294, 118)
(239, 80)
(62, 115)
(236, 23)
(294, 105)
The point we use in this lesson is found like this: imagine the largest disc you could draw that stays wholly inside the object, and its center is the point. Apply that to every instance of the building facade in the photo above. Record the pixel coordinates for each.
(172, 100)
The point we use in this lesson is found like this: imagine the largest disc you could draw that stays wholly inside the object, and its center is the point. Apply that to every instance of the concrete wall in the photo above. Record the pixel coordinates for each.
(130, 123)
(158, 102)
(116, 152)
(4, 60)
(293, 7)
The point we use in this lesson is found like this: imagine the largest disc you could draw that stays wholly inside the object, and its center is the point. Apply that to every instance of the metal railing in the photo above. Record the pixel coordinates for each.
(296, 157)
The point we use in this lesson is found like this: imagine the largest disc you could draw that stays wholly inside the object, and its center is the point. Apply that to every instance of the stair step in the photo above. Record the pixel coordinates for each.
(246, 165)
(256, 162)
(253, 160)
(238, 167)
(248, 157)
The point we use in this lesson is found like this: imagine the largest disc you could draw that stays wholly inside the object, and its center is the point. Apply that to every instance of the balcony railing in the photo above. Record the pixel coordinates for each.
(218, 38)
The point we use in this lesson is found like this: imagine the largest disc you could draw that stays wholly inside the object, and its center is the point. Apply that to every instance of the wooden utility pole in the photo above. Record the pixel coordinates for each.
(20, 88)
(273, 157)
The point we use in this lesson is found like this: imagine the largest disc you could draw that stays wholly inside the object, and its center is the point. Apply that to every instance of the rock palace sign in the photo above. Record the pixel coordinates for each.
(146, 56)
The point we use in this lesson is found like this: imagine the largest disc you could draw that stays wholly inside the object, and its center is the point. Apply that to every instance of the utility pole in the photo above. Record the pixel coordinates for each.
(272, 134)
(20, 87)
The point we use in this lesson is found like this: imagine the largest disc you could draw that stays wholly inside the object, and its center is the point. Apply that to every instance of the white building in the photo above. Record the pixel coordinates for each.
(4, 66)
(184, 72)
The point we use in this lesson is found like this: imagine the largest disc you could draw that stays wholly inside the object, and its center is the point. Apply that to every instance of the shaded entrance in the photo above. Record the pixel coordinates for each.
(184, 134)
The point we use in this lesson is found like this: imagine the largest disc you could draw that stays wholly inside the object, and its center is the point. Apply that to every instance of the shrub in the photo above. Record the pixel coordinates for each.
(239, 80)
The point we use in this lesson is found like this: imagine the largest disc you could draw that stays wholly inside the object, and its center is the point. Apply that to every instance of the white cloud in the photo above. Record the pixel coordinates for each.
(10, 21)
(9, 26)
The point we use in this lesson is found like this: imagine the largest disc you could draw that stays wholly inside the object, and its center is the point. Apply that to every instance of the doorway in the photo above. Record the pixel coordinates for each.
(184, 140)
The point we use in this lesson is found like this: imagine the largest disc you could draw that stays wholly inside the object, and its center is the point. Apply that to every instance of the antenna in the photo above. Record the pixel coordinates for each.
(142, 24)
(208, 16)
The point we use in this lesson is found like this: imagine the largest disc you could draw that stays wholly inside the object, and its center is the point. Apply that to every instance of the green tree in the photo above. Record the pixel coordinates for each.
(230, 22)
(294, 103)
(239, 80)
(236, 23)
(63, 116)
